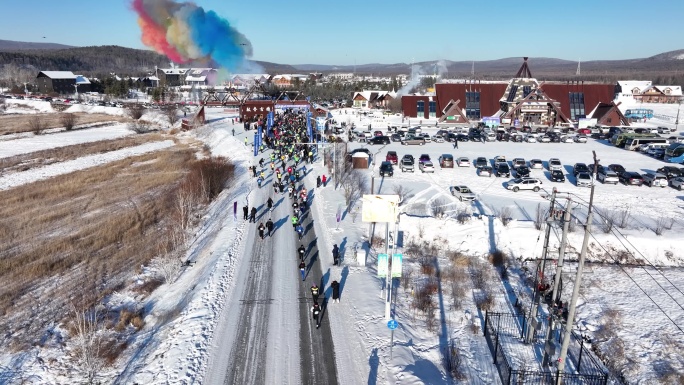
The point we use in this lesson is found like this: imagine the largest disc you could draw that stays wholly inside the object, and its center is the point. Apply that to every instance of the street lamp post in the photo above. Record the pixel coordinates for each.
(679, 106)
(76, 88)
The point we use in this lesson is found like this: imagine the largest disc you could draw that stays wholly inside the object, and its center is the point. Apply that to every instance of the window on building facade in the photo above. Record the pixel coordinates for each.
(511, 93)
(432, 105)
(420, 108)
(526, 91)
(472, 105)
(577, 105)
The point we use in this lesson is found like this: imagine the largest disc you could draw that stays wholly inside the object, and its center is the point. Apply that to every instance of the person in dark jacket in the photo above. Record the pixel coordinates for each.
(245, 211)
(252, 215)
(269, 226)
(302, 269)
(318, 181)
(315, 292)
(336, 255)
(269, 203)
(315, 313)
(335, 291)
(301, 250)
(261, 229)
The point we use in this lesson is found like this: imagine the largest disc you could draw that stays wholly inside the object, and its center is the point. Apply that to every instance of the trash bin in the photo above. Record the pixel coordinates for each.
(361, 257)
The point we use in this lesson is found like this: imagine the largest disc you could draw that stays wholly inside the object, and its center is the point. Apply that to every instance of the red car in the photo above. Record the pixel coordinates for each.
(392, 157)
(584, 131)
(377, 133)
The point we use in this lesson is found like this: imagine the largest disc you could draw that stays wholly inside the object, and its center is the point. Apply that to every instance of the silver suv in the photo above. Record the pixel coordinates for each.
(555, 164)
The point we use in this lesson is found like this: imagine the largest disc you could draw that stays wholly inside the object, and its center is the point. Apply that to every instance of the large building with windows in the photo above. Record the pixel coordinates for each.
(523, 99)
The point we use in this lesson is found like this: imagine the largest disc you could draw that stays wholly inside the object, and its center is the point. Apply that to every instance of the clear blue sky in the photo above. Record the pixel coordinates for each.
(383, 31)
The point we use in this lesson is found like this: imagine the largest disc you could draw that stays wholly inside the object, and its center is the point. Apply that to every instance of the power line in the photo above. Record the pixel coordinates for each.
(649, 263)
(637, 285)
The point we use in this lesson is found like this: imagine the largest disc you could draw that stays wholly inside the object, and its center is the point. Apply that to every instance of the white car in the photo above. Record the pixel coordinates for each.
(438, 139)
(580, 139)
(536, 163)
(584, 179)
(555, 164)
(463, 193)
(677, 182)
(426, 166)
(485, 171)
(427, 137)
(567, 139)
(463, 162)
(524, 184)
(545, 139)
(531, 139)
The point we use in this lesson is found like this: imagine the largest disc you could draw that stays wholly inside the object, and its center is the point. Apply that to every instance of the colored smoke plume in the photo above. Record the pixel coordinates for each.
(186, 33)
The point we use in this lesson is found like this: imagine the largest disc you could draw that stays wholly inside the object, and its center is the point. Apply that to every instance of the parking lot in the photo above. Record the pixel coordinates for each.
(491, 191)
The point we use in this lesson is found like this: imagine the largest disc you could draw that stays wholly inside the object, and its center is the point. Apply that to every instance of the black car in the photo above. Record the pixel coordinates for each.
(557, 176)
(386, 169)
(408, 156)
(462, 137)
(670, 171)
(631, 178)
(481, 162)
(522, 171)
(503, 170)
(580, 167)
(396, 138)
(380, 140)
(617, 168)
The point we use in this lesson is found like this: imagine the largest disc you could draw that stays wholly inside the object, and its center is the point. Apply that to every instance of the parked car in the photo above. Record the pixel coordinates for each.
(557, 176)
(485, 171)
(386, 169)
(502, 170)
(655, 179)
(631, 178)
(446, 161)
(518, 162)
(426, 166)
(580, 167)
(536, 163)
(462, 137)
(463, 193)
(419, 140)
(407, 164)
(392, 157)
(567, 139)
(379, 140)
(499, 160)
(463, 162)
(544, 139)
(377, 133)
(554, 164)
(522, 172)
(584, 179)
(481, 162)
(670, 171)
(438, 138)
(617, 168)
(396, 137)
(517, 184)
(424, 158)
(677, 182)
(580, 139)
(606, 175)
(531, 138)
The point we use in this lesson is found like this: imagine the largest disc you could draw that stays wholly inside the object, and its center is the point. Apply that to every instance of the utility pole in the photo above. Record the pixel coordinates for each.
(578, 281)
(534, 310)
(567, 217)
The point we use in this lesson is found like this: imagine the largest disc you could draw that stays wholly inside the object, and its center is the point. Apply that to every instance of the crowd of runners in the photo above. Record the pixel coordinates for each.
(284, 155)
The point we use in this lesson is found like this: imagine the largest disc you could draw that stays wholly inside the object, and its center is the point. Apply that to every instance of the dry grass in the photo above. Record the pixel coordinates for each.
(25, 162)
(13, 124)
(79, 237)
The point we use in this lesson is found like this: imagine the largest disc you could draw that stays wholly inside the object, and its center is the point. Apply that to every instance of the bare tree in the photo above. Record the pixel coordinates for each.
(354, 186)
(623, 218)
(660, 225)
(504, 214)
(68, 121)
(171, 114)
(36, 124)
(140, 126)
(608, 222)
(403, 193)
(135, 111)
(438, 208)
(87, 343)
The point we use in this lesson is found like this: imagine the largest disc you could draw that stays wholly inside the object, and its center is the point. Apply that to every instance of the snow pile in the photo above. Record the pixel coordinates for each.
(84, 108)
(18, 106)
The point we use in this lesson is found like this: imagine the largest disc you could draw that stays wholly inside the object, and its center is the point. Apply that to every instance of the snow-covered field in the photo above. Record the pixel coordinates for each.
(177, 350)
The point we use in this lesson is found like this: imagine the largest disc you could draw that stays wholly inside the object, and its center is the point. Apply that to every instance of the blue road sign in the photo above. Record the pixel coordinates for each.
(392, 324)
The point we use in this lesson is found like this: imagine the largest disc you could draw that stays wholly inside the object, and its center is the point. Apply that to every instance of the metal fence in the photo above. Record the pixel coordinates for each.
(587, 369)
